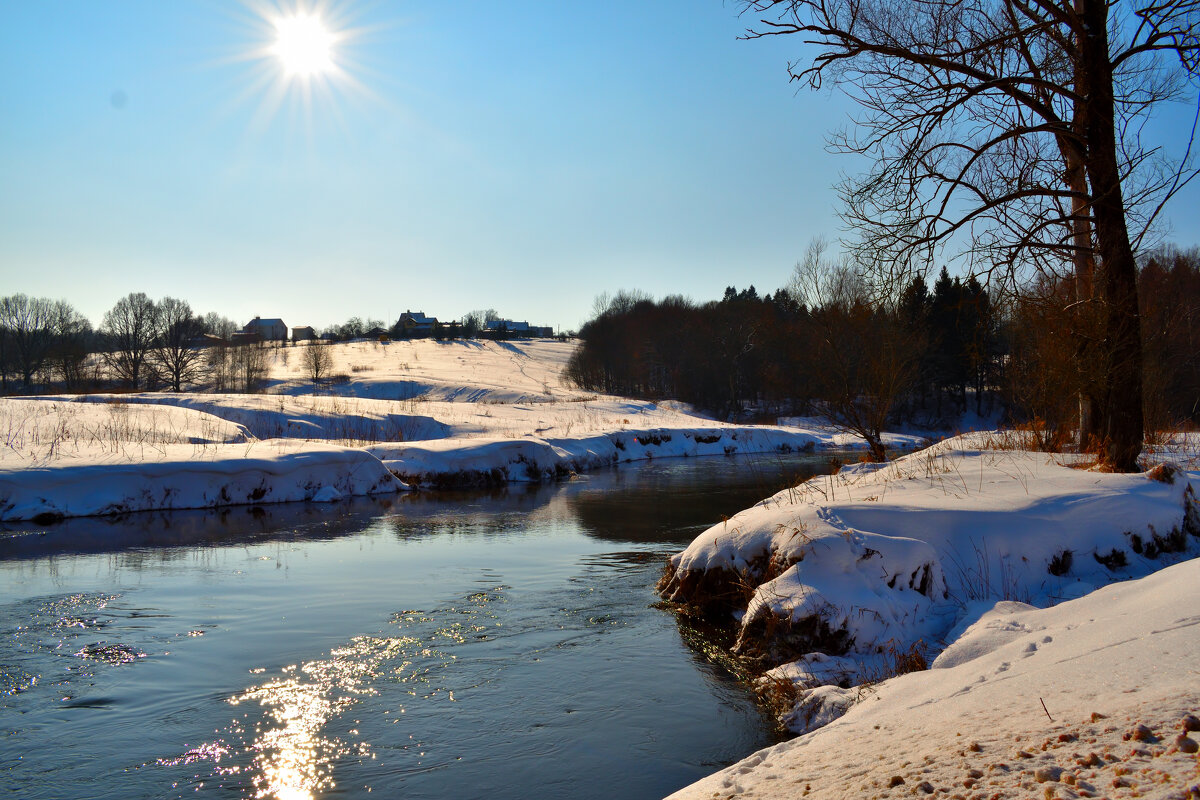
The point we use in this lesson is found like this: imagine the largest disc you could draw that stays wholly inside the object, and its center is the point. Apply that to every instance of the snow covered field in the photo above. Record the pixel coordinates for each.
(396, 414)
(849, 578)
(461, 370)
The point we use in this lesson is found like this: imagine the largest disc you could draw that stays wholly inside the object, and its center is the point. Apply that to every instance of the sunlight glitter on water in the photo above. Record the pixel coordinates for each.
(293, 755)
(535, 645)
(293, 759)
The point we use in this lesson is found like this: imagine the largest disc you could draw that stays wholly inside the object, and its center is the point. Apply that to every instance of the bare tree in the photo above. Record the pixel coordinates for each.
(1010, 127)
(29, 333)
(131, 327)
(248, 366)
(73, 338)
(175, 352)
(477, 320)
(218, 325)
(861, 359)
(317, 361)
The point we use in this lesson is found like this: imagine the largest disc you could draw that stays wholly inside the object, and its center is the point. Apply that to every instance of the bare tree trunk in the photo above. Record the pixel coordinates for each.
(1083, 255)
(1117, 277)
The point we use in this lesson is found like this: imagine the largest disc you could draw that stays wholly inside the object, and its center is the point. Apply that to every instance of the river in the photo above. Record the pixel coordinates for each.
(455, 645)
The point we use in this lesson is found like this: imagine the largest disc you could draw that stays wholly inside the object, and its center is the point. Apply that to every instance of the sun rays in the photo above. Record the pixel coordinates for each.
(302, 63)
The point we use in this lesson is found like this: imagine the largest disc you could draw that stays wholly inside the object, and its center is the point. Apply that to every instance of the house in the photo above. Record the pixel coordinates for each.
(506, 328)
(303, 333)
(268, 330)
(378, 334)
(414, 325)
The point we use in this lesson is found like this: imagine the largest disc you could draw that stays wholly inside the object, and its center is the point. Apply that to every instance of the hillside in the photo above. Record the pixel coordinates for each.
(392, 416)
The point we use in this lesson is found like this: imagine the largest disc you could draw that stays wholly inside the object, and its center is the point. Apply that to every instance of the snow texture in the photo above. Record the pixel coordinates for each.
(892, 556)
(433, 414)
(1090, 698)
(951, 550)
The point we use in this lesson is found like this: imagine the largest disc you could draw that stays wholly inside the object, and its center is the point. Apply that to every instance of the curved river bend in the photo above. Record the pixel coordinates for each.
(498, 645)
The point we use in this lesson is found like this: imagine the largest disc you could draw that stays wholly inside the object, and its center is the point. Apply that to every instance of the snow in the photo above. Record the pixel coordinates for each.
(184, 476)
(461, 370)
(1033, 580)
(974, 726)
(432, 413)
(954, 551)
(37, 426)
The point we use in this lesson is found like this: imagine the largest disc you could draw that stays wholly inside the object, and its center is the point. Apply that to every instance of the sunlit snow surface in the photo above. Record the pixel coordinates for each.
(390, 413)
(955, 549)
(1123, 656)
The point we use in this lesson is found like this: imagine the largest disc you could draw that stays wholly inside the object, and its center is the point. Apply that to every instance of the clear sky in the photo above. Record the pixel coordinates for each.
(522, 155)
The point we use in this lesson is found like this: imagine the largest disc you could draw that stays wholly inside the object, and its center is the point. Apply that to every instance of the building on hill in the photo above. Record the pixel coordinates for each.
(378, 334)
(414, 325)
(507, 328)
(303, 333)
(268, 330)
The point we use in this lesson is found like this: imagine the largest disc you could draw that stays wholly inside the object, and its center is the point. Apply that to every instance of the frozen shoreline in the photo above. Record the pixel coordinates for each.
(1121, 657)
(115, 454)
(850, 578)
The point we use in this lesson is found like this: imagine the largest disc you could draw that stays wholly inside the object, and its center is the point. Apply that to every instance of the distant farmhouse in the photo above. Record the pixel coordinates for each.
(501, 328)
(303, 333)
(414, 325)
(262, 330)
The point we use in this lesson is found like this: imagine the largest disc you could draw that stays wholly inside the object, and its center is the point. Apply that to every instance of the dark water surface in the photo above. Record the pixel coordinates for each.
(466, 645)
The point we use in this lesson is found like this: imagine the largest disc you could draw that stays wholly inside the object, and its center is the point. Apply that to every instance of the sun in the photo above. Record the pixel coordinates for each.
(303, 45)
(305, 58)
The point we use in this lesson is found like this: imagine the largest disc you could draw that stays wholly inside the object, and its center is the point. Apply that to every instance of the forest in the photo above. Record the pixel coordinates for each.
(926, 355)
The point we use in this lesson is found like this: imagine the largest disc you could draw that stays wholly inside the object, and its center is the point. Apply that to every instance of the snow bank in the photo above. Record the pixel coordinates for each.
(1093, 697)
(545, 431)
(182, 476)
(491, 461)
(885, 561)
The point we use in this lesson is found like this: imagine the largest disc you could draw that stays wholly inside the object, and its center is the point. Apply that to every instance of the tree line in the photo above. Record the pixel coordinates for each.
(143, 343)
(830, 345)
(1012, 135)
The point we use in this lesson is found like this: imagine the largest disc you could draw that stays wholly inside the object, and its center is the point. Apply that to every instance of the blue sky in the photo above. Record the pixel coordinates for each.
(519, 155)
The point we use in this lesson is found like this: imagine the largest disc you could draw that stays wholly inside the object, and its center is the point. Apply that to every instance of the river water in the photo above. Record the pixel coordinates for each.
(454, 645)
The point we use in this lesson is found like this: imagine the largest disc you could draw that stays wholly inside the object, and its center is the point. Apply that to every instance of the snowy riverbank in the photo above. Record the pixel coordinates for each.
(849, 578)
(1115, 670)
(395, 419)
(87, 468)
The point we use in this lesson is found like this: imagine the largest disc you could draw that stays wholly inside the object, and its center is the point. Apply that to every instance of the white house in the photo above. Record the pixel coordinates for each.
(268, 330)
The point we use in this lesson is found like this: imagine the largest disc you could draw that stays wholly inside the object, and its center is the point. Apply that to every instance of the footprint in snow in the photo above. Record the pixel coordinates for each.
(1030, 649)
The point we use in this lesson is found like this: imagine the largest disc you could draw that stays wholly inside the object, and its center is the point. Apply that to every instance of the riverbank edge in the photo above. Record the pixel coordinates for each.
(805, 648)
(179, 477)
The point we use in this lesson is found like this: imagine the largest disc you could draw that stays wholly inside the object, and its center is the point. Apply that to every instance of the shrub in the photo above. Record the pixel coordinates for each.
(1060, 564)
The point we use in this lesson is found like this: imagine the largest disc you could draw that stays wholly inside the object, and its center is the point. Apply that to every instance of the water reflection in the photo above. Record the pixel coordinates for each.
(293, 758)
(291, 751)
(418, 645)
(714, 487)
